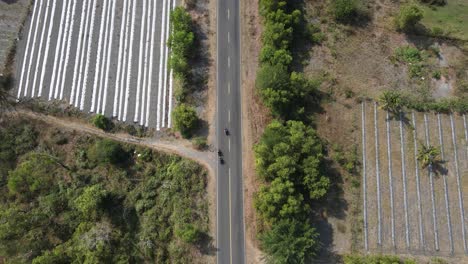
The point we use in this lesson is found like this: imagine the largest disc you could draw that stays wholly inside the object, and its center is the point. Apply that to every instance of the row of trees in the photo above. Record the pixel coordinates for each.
(88, 208)
(289, 156)
(286, 93)
(181, 41)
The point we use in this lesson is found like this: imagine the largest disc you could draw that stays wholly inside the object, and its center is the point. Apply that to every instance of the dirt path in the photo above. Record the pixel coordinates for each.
(171, 146)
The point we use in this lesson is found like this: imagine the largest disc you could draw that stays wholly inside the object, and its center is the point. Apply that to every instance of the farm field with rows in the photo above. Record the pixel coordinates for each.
(407, 208)
(102, 56)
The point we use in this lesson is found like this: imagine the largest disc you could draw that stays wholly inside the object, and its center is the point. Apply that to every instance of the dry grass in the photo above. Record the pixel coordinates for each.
(254, 119)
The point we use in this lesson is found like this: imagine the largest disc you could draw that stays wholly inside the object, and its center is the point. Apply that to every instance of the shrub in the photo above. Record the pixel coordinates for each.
(188, 233)
(408, 17)
(185, 119)
(344, 10)
(199, 143)
(107, 151)
(408, 54)
(437, 74)
(102, 122)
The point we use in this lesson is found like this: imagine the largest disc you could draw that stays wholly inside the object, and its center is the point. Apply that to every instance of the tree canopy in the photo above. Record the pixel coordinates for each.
(292, 152)
(290, 241)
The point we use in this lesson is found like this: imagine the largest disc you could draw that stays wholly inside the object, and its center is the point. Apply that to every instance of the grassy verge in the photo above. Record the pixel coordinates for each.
(451, 18)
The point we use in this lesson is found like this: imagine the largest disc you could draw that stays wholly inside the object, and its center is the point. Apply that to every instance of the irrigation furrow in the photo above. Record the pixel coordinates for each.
(54, 87)
(431, 180)
(105, 59)
(460, 194)
(390, 178)
(58, 50)
(171, 78)
(47, 48)
(40, 21)
(466, 136)
(364, 176)
(140, 64)
(117, 90)
(377, 169)
(39, 52)
(161, 66)
(109, 58)
(150, 77)
(130, 55)
(67, 53)
(145, 65)
(447, 207)
(99, 57)
(403, 175)
(35, 15)
(84, 11)
(83, 54)
(88, 55)
(418, 185)
(166, 60)
(124, 63)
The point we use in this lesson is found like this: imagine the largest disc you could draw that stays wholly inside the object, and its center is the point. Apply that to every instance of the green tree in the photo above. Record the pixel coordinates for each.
(292, 152)
(90, 201)
(290, 241)
(185, 119)
(408, 17)
(32, 176)
(279, 201)
(102, 122)
(107, 151)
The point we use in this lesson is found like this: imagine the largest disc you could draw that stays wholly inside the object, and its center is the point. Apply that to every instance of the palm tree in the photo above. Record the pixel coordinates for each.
(428, 155)
(391, 101)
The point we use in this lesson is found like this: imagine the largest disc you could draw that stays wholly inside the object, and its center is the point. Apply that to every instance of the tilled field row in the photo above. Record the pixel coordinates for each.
(407, 208)
(102, 56)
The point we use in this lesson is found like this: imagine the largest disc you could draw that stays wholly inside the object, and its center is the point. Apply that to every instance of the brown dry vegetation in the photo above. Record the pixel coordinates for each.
(357, 61)
(255, 117)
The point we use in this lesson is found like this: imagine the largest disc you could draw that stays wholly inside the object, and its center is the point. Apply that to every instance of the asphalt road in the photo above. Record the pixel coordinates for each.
(230, 215)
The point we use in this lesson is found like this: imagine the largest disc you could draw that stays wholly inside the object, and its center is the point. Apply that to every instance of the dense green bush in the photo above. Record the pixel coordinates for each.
(188, 233)
(408, 17)
(408, 54)
(107, 151)
(344, 10)
(290, 241)
(280, 200)
(292, 152)
(102, 122)
(181, 41)
(185, 120)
